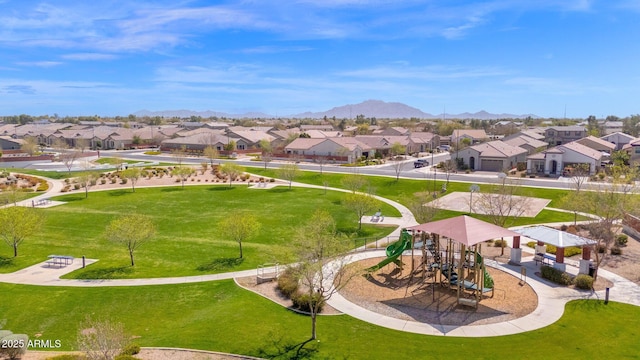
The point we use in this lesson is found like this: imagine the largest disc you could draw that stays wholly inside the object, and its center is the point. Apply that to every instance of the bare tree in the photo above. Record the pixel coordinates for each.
(502, 203)
(82, 144)
(397, 149)
(609, 203)
(424, 208)
(101, 340)
(289, 172)
(179, 155)
(448, 167)
(131, 231)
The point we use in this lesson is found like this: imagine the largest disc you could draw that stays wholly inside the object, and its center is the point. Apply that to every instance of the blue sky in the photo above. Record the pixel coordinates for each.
(284, 57)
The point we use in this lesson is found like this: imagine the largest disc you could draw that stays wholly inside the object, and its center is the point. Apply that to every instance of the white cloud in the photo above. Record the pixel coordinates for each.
(89, 56)
(42, 64)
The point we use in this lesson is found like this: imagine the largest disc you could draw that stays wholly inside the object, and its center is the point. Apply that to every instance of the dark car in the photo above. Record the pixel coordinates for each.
(420, 163)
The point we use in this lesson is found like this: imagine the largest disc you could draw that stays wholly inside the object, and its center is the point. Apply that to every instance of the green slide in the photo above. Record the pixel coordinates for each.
(488, 280)
(394, 250)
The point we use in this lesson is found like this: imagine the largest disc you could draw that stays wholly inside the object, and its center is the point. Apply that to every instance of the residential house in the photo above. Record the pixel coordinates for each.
(382, 144)
(249, 139)
(506, 127)
(555, 160)
(474, 136)
(558, 135)
(425, 141)
(343, 149)
(492, 156)
(537, 134)
(395, 131)
(633, 149)
(597, 144)
(323, 127)
(530, 144)
(619, 139)
(9, 143)
(611, 127)
(197, 142)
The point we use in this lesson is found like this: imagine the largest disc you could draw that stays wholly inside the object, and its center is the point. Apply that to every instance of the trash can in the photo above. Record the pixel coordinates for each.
(592, 270)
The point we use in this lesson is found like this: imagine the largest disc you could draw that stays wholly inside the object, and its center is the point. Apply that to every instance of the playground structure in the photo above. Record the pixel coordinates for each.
(451, 255)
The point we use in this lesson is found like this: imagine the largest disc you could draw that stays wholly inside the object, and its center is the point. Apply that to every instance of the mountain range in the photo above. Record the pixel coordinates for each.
(369, 108)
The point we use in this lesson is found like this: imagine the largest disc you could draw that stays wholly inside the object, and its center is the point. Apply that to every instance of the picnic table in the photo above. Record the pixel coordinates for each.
(60, 260)
(544, 258)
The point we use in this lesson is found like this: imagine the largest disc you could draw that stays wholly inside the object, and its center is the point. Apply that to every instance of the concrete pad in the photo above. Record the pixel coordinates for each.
(459, 201)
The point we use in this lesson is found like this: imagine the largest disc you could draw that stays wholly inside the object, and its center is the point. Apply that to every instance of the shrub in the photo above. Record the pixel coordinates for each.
(563, 227)
(124, 181)
(500, 243)
(531, 244)
(287, 282)
(584, 282)
(555, 275)
(602, 248)
(272, 180)
(103, 181)
(622, 240)
(113, 180)
(76, 186)
(130, 349)
(304, 302)
(616, 251)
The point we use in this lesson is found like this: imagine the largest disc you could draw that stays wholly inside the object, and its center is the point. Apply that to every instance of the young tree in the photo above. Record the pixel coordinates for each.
(101, 340)
(316, 244)
(239, 228)
(448, 167)
(231, 170)
(30, 145)
(211, 153)
(609, 203)
(502, 203)
(18, 223)
(289, 172)
(354, 182)
(87, 179)
(424, 208)
(179, 155)
(182, 172)
(397, 149)
(132, 174)
(361, 204)
(267, 152)
(82, 144)
(131, 231)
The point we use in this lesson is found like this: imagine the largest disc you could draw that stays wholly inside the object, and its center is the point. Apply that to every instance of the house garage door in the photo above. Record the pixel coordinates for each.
(491, 165)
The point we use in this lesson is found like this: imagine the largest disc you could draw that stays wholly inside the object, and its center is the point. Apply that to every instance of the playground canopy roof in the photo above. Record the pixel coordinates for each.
(555, 237)
(465, 229)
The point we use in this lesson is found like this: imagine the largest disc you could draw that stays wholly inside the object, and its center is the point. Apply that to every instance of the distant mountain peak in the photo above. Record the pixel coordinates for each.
(368, 108)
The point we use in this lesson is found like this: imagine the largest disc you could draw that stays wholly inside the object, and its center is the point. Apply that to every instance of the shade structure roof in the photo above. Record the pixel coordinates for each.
(555, 237)
(465, 230)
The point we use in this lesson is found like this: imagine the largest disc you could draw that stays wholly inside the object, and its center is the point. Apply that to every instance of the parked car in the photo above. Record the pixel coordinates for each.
(420, 163)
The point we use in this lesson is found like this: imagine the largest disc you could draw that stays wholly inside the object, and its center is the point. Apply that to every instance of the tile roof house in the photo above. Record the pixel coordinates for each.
(619, 139)
(346, 149)
(555, 160)
(474, 135)
(597, 144)
(492, 156)
(558, 135)
(530, 144)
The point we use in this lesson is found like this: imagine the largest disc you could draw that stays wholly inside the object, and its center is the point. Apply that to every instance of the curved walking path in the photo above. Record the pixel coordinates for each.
(551, 298)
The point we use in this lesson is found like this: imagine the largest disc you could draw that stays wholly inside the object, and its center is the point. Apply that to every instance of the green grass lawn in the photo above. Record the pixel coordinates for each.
(404, 190)
(220, 316)
(188, 241)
